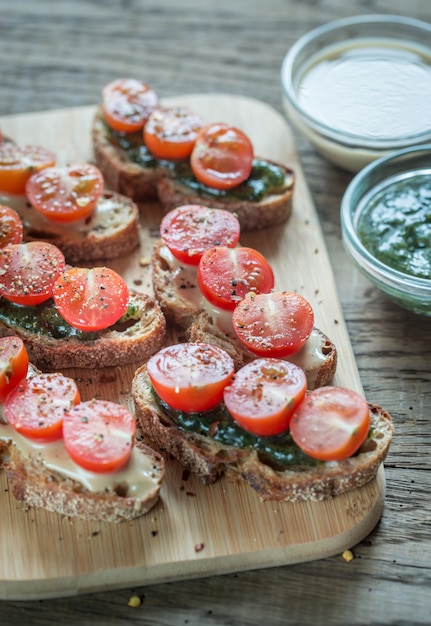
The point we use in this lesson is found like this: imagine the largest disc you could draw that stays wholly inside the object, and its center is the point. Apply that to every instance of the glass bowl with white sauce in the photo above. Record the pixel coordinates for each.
(360, 88)
(386, 226)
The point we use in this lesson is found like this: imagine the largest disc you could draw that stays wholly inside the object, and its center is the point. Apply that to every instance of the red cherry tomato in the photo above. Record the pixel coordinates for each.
(331, 423)
(18, 163)
(264, 394)
(226, 275)
(190, 377)
(127, 104)
(98, 435)
(36, 407)
(11, 227)
(13, 364)
(29, 271)
(65, 194)
(273, 324)
(91, 299)
(171, 133)
(222, 156)
(191, 229)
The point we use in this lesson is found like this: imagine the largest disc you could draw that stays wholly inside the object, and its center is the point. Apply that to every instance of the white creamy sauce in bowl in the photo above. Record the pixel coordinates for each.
(371, 89)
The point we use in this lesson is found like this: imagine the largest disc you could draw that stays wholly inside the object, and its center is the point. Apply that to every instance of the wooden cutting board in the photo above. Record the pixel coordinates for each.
(195, 530)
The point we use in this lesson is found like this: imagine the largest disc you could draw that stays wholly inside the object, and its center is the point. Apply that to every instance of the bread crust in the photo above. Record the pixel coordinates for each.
(134, 343)
(109, 233)
(36, 486)
(209, 459)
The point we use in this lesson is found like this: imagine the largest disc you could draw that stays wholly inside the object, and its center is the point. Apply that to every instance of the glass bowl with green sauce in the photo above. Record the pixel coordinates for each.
(359, 88)
(386, 226)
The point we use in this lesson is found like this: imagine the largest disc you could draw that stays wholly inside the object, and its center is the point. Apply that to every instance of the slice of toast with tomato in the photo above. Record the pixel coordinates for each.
(68, 206)
(148, 165)
(74, 316)
(110, 232)
(178, 293)
(210, 444)
(53, 345)
(44, 433)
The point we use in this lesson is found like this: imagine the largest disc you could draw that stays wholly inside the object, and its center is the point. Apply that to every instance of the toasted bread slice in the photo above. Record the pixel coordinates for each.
(273, 208)
(129, 169)
(111, 231)
(202, 455)
(51, 344)
(125, 495)
(178, 294)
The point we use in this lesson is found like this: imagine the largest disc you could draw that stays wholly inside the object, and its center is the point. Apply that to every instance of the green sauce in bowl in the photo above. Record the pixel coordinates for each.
(395, 223)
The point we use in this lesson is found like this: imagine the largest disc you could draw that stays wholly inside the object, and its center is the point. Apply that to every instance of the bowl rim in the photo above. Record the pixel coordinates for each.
(349, 139)
(368, 262)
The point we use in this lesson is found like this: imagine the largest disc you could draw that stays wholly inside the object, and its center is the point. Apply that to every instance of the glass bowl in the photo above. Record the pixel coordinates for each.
(386, 213)
(359, 88)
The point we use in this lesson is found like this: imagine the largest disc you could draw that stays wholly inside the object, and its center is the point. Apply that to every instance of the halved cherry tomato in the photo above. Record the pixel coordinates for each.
(222, 156)
(98, 435)
(29, 271)
(190, 377)
(264, 394)
(18, 163)
(273, 324)
(191, 229)
(66, 194)
(331, 423)
(127, 104)
(13, 364)
(171, 133)
(226, 275)
(36, 407)
(11, 227)
(91, 299)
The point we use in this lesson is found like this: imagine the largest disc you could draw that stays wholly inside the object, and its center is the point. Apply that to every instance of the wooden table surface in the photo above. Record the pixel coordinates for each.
(60, 54)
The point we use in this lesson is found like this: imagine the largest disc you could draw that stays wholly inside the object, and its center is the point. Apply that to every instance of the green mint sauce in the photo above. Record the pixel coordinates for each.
(279, 451)
(265, 179)
(395, 225)
(44, 320)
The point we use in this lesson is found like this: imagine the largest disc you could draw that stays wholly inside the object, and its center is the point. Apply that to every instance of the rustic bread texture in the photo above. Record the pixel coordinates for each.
(112, 231)
(272, 210)
(36, 486)
(112, 347)
(208, 459)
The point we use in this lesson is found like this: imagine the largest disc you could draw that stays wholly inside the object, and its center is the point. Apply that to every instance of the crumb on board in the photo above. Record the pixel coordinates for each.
(199, 547)
(144, 261)
(348, 555)
(134, 602)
